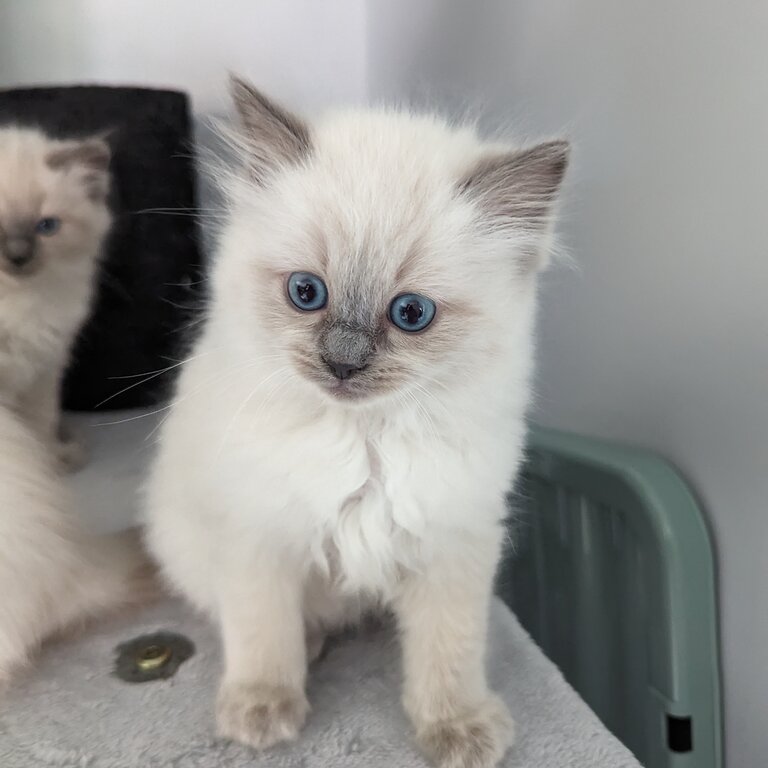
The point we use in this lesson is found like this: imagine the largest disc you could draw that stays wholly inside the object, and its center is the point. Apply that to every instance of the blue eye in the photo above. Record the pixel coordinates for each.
(48, 226)
(307, 291)
(411, 312)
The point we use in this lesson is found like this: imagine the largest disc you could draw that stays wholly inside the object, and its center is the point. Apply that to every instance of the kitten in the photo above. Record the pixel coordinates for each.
(52, 573)
(353, 413)
(53, 221)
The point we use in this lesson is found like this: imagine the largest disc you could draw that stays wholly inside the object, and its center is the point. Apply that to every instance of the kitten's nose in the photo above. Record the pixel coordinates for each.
(343, 370)
(18, 251)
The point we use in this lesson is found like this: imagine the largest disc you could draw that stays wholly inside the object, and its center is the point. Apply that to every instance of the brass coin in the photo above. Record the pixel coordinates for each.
(156, 656)
(153, 657)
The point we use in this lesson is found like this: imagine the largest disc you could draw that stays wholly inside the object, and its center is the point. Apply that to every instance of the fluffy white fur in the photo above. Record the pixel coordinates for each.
(52, 573)
(44, 301)
(287, 505)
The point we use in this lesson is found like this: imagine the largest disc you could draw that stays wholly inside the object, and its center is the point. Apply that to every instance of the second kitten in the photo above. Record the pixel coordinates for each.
(53, 221)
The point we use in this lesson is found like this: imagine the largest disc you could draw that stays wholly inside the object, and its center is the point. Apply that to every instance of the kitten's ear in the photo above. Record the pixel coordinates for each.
(91, 157)
(274, 137)
(517, 190)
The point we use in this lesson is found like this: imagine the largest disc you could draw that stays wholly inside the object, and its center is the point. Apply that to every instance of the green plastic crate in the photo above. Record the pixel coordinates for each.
(611, 571)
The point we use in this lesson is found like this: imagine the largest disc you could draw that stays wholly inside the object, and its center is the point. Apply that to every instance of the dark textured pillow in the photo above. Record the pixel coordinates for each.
(152, 273)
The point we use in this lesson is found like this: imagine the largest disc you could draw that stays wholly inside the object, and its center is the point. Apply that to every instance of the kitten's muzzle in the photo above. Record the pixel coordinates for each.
(18, 253)
(346, 350)
(343, 371)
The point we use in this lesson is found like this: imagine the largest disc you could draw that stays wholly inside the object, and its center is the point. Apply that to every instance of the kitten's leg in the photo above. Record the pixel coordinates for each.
(41, 408)
(443, 614)
(261, 700)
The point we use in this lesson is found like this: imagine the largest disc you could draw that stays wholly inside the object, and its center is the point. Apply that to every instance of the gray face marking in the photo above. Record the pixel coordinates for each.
(274, 136)
(518, 189)
(346, 349)
(17, 249)
(93, 156)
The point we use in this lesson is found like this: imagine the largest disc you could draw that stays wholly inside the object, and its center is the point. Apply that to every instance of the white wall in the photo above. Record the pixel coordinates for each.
(661, 338)
(310, 53)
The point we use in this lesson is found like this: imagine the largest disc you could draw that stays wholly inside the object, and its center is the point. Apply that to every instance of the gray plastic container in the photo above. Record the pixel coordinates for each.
(611, 570)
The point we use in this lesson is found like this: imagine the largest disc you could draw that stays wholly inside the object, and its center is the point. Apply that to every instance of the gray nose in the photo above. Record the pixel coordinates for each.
(18, 251)
(343, 370)
(345, 349)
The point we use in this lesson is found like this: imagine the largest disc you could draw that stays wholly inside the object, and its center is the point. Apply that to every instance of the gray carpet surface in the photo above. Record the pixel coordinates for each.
(71, 711)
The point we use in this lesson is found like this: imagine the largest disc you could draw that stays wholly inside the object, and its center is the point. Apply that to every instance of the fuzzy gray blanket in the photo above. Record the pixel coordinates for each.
(72, 711)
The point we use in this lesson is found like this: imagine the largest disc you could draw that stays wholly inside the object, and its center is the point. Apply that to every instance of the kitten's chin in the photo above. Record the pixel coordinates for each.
(348, 392)
(354, 392)
(12, 274)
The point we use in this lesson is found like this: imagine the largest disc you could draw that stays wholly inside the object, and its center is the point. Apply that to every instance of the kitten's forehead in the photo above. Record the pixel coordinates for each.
(35, 174)
(22, 174)
(381, 190)
(392, 170)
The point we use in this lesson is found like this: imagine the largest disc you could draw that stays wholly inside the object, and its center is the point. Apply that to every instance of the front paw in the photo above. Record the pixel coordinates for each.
(260, 715)
(477, 739)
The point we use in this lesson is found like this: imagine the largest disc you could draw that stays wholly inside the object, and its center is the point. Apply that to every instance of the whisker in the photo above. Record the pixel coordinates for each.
(211, 380)
(154, 375)
(131, 418)
(188, 284)
(243, 405)
(190, 211)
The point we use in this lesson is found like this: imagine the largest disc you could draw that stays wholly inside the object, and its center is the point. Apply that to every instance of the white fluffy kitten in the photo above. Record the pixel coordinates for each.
(53, 220)
(353, 415)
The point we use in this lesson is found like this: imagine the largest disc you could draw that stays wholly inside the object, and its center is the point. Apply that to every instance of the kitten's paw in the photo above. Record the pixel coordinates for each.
(71, 455)
(477, 739)
(260, 715)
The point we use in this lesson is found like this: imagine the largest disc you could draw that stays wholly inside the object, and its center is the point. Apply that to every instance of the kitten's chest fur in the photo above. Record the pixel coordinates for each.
(364, 542)
(360, 490)
(37, 326)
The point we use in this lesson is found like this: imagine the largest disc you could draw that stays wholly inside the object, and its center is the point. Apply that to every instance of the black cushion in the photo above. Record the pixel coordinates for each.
(150, 284)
